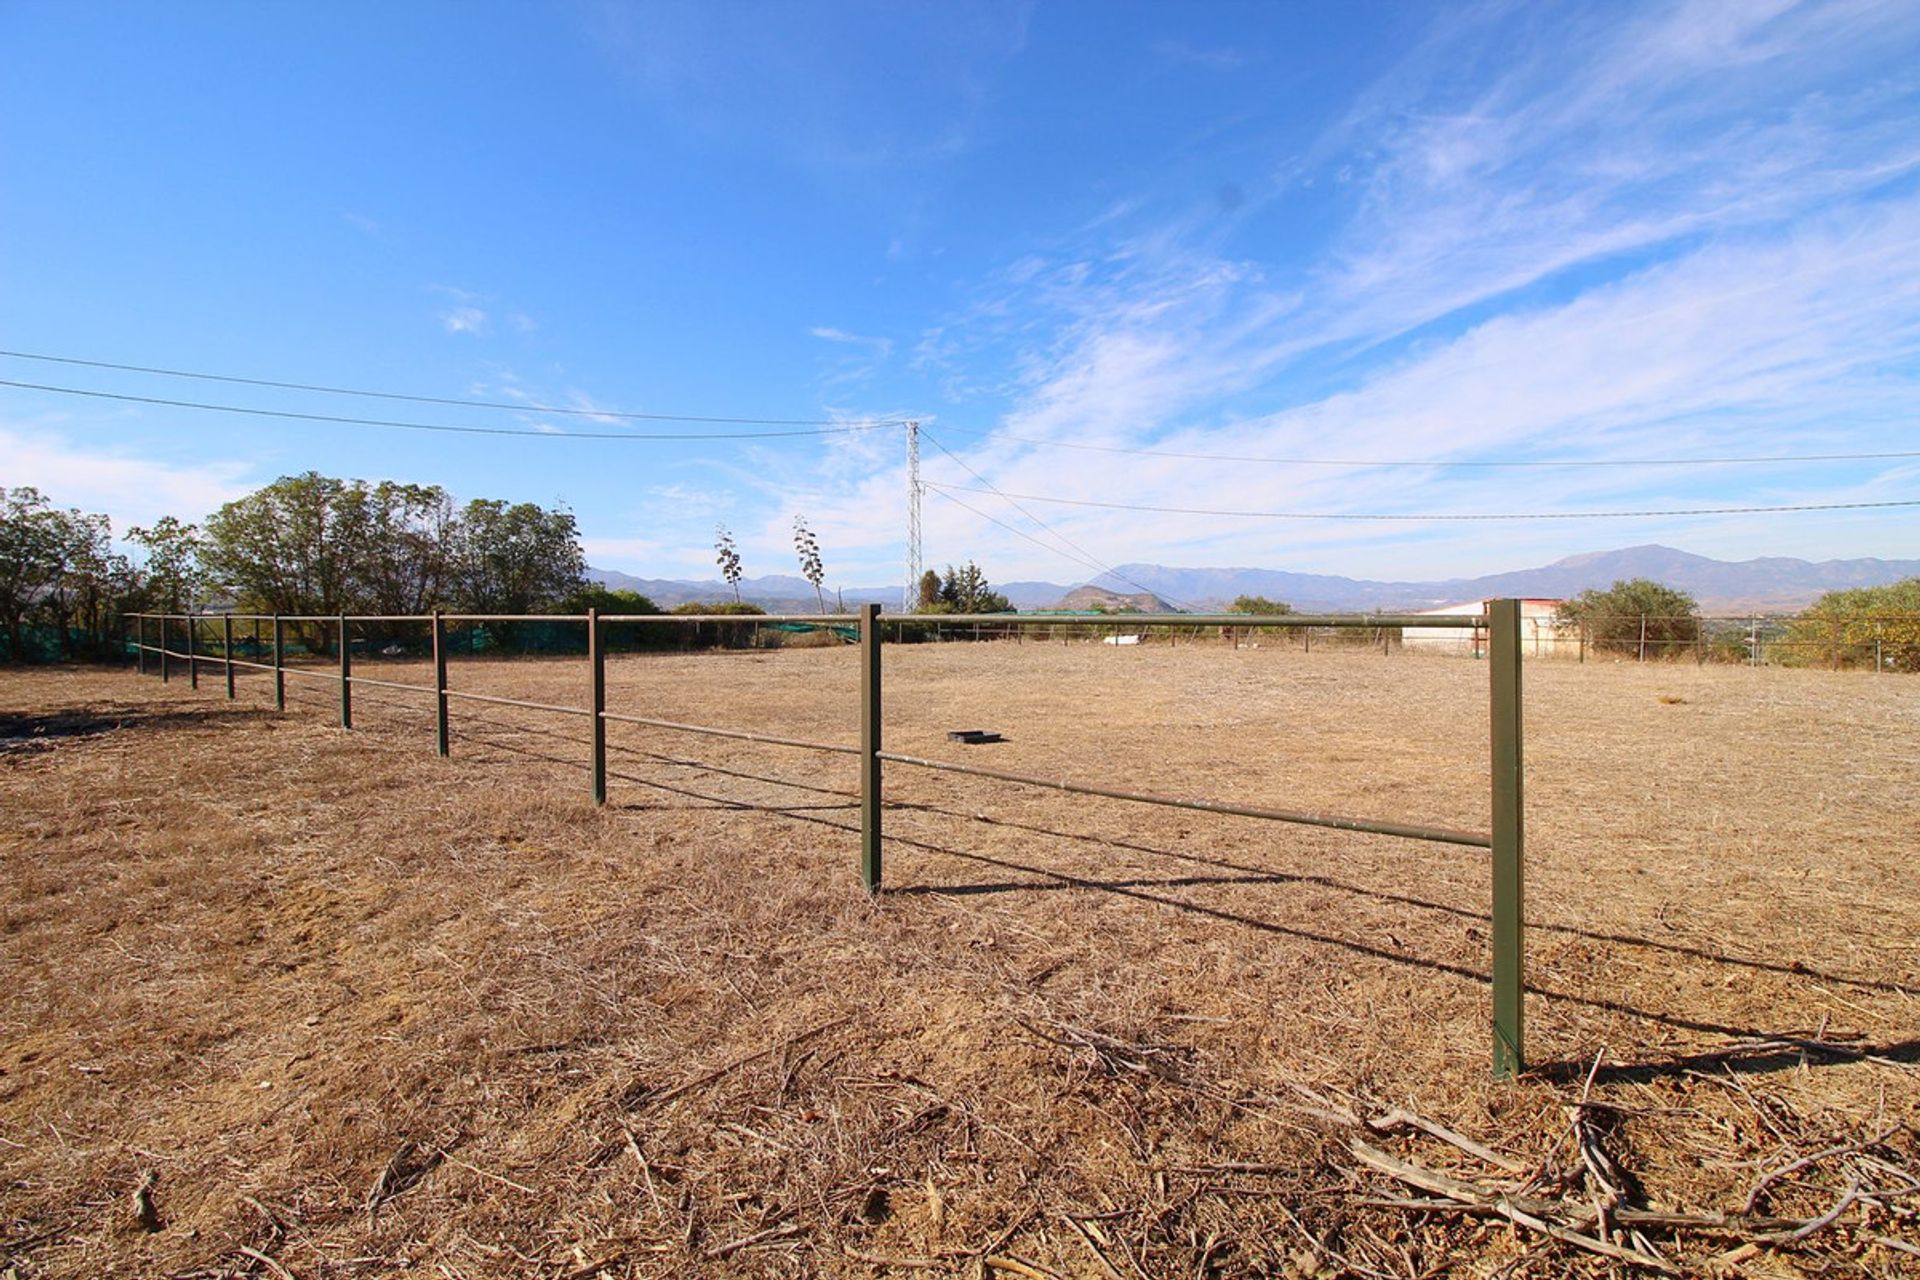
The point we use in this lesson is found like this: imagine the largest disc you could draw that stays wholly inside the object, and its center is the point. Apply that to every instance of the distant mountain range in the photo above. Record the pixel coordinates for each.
(1767, 585)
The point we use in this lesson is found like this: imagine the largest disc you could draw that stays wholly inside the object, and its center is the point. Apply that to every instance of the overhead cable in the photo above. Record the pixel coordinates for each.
(512, 405)
(1459, 516)
(1104, 568)
(1181, 455)
(847, 429)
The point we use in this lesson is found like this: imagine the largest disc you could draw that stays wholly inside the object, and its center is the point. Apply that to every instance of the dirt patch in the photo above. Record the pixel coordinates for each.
(359, 1011)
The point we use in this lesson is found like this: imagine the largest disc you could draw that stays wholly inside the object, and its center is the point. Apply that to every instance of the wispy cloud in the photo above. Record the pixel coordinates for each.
(464, 319)
(474, 313)
(861, 357)
(1686, 231)
(130, 488)
(880, 347)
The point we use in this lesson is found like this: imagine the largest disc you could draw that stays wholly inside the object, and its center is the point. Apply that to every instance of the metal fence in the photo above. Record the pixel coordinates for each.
(1838, 642)
(1499, 630)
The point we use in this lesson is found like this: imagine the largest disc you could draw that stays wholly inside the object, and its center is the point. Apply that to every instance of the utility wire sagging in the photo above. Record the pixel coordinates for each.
(1082, 554)
(1431, 515)
(461, 429)
(847, 425)
(514, 406)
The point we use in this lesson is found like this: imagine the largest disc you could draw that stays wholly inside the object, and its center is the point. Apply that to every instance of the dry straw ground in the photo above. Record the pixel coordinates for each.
(282, 1001)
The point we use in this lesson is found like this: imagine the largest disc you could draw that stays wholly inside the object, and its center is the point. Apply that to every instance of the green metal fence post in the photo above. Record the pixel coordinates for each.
(166, 668)
(441, 739)
(279, 667)
(1509, 975)
(226, 623)
(140, 640)
(597, 659)
(193, 663)
(870, 747)
(346, 676)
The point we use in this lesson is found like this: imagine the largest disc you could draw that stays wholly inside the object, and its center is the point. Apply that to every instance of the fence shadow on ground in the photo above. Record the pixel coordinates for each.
(1755, 1051)
(1249, 873)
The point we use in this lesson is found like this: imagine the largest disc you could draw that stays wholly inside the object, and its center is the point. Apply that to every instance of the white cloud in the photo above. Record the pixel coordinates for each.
(852, 368)
(1805, 339)
(133, 490)
(464, 319)
(1652, 235)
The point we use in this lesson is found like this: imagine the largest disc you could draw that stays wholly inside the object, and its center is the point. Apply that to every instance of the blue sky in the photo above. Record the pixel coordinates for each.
(1392, 233)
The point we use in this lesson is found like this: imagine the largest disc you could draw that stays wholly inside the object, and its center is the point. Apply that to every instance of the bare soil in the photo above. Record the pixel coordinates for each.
(279, 1000)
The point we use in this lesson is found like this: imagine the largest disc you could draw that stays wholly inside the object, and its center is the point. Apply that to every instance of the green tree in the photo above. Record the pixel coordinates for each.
(731, 635)
(171, 572)
(1861, 625)
(966, 590)
(515, 557)
(407, 544)
(595, 595)
(77, 594)
(289, 547)
(59, 575)
(31, 549)
(1637, 616)
(1259, 605)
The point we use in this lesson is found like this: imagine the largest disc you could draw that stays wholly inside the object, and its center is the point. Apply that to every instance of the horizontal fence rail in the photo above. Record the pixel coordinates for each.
(1496, 633)
(1440, 835)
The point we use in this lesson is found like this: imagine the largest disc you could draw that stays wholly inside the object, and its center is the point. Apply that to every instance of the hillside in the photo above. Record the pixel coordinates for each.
(1770, 584)
(1092, 599)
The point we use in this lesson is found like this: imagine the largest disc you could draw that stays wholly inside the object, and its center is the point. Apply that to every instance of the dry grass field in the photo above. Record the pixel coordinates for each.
(282, 1001)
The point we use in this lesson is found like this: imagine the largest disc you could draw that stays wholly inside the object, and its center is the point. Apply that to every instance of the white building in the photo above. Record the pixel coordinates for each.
(1539, 636)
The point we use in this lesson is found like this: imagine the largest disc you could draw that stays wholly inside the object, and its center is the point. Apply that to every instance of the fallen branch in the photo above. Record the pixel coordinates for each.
(1401, 1118)
(444, 1154)
(1521, 1212)
(1826, 1219)
(732, 1247)
(1099, 1254)
(887, 1260)
(715, 1074)
(1733, 1226)
(268, 1263)
(1766, 1180)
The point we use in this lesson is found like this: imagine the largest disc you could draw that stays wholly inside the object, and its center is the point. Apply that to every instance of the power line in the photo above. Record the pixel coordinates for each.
(1104, 568)
(1017, 532)
(1382, 463)
(844, 429)
(1506, 515)
(515, 406)
(863, 423)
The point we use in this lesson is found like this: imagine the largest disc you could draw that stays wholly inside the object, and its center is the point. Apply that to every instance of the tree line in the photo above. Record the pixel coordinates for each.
(305, 544)
(313, 545)
(1875, 626)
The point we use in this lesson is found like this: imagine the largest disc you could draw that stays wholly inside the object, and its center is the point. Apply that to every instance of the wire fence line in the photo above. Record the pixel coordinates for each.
(1501, 627)
(1881, 642)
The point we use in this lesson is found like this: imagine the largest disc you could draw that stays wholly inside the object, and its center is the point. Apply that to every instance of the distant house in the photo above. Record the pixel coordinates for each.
(1540, 637)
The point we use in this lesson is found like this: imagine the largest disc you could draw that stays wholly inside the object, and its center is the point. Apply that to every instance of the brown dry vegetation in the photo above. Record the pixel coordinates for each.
(348, 1010)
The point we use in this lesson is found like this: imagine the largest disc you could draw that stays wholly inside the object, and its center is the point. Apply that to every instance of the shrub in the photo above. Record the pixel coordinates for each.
(1637, 616)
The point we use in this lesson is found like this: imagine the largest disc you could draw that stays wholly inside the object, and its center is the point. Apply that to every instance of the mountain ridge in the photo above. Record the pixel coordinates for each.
(1765, 584)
